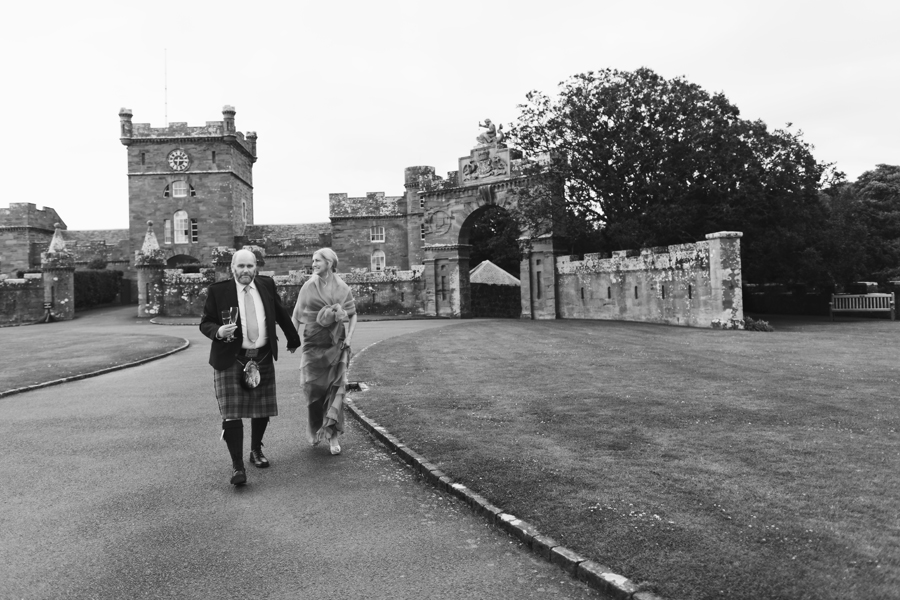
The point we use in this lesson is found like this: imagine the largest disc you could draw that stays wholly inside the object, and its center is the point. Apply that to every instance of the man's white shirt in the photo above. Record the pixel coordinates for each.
(263, 339)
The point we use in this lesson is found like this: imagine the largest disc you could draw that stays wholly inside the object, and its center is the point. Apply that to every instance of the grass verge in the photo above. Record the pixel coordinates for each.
(50, 355)
(712, 464)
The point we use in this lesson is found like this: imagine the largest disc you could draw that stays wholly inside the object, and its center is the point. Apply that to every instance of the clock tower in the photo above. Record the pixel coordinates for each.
(194, 182)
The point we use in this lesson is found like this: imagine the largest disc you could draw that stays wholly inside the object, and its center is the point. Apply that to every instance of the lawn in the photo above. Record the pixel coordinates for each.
(47, 354)
(707, 463)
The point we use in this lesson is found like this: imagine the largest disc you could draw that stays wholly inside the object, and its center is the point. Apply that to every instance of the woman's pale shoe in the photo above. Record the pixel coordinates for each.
(335, 446)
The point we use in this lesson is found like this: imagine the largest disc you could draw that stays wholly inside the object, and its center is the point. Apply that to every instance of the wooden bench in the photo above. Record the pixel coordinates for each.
(862, 303)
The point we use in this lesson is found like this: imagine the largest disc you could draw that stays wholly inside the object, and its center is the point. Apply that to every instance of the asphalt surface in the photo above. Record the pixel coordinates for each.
(117, 487)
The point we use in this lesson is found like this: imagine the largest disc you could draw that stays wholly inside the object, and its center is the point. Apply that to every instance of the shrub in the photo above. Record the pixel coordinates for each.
(97, 264)
(96, 287)
(751, 324)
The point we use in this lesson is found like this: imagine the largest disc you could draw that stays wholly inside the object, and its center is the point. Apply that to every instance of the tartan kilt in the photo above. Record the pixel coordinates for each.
(235, 402)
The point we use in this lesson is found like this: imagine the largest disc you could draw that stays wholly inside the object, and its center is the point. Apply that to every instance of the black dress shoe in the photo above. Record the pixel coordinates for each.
(238, 476)
(259, 459)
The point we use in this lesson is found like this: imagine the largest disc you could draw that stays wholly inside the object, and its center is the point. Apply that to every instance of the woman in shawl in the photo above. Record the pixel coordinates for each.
(327, 311)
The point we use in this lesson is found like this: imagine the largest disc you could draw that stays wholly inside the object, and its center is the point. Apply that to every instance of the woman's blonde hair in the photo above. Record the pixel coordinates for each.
(329, 255)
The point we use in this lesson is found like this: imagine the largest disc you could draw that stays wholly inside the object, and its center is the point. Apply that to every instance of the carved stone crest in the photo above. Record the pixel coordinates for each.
(484, 162)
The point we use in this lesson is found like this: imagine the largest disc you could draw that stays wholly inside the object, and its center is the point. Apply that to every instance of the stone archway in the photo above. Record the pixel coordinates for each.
(189, 264)
(446, 251)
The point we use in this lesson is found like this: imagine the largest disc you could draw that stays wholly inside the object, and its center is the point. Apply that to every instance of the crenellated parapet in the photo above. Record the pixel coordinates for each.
(373, 204)
(697, 285)
(225, 130)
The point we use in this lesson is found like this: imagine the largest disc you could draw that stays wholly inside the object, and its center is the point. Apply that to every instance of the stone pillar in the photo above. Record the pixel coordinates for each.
(59, 291)
(151, 292)
(447, 281)
(150, 264)
(461, 300)
(223, 270)
(416, 181)
(429, 277)
(58, 268)
(538, 279)
(726, 299)
(222, 260)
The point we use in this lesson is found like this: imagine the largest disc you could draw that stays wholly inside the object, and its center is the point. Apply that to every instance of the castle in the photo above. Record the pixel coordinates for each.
(194, 186)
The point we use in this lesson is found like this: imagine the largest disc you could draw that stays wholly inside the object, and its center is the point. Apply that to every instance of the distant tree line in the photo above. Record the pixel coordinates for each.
(639, 160)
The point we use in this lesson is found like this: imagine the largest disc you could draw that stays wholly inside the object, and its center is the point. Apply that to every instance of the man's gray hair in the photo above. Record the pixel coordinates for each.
(234, 256)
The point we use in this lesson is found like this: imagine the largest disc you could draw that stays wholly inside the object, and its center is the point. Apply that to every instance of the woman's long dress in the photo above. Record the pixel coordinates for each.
(323, 307)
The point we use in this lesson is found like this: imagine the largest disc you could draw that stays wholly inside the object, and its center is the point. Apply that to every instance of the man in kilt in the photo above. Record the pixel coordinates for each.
(243, 347)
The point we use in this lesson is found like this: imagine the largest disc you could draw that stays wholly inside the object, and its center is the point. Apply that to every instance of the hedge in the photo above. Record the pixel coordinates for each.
(503, 301)
(96, 287)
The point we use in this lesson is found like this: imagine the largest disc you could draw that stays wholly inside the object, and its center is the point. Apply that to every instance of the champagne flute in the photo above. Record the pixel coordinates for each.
(229, 317)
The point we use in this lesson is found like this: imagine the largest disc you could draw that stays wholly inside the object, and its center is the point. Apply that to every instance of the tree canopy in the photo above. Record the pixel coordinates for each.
(863, 236)
(647, 161)
(494, 236)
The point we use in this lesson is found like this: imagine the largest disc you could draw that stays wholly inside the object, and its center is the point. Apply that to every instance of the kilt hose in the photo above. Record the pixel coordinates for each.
(236, 402)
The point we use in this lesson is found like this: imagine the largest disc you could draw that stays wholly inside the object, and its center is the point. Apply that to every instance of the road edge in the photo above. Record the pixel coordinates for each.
(596, 576)
(127, 365)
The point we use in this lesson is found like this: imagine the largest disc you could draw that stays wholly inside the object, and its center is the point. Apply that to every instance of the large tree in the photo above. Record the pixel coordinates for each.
(864, 223)
(494, 236)
(647, 161)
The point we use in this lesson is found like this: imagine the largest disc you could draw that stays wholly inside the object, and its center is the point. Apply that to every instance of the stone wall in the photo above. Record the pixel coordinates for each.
(392, 292)
(373, 204)
(185, 293)
(688, 284)
(287, 247)
(21, 300)
(289, 238)
(352, 241)
(173, 293)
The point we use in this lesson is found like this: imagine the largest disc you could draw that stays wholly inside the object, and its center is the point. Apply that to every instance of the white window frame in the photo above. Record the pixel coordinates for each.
(182, 227)
(179, 189)
(167, 229)
(378, 260)
(422, 231)
(195, 231)
(376, 234)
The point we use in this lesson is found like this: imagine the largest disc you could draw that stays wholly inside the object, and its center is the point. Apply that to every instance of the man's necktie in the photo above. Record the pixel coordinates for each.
(250, 310)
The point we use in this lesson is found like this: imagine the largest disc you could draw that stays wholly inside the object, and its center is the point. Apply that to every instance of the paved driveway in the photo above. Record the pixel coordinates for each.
(117, 487)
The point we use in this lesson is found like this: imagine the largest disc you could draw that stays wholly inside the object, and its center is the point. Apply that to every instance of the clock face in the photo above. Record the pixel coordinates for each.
(178, 160)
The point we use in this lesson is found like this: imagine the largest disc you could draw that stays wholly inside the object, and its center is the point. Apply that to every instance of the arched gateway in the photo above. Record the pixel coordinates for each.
(487, 177)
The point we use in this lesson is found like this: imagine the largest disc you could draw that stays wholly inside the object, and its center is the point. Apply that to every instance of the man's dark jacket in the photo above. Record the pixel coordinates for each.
(222, 295)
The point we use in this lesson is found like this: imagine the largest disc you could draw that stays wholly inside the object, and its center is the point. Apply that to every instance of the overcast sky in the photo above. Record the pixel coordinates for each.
(345, 95)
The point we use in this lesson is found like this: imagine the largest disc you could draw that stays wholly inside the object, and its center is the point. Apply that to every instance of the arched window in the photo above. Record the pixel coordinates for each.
(179, 189)
(378, 260)
(182, 227)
